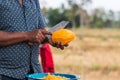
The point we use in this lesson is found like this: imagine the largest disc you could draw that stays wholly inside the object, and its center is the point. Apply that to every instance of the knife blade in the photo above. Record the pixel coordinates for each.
(58, 26)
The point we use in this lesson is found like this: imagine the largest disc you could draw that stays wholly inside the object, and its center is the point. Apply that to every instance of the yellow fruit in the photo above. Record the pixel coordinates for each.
(53, 77)
(64, 36)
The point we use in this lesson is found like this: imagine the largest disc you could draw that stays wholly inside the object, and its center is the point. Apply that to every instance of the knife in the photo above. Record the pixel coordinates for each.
(58, 26)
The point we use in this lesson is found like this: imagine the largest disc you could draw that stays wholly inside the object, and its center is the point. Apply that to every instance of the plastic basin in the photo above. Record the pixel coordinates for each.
(41, 75)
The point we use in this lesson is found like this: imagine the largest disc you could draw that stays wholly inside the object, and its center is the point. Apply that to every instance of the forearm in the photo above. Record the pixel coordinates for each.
(8, 38)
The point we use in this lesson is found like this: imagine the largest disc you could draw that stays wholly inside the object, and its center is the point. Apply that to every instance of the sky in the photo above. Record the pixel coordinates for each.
(105, 4)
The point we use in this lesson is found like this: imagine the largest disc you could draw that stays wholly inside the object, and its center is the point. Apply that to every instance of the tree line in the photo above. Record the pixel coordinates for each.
(79, 17)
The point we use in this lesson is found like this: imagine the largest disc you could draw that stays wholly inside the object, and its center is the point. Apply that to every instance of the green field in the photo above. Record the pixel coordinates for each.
(94, 55)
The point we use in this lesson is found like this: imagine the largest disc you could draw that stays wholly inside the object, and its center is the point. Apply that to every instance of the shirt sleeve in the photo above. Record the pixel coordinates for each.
(42, 22)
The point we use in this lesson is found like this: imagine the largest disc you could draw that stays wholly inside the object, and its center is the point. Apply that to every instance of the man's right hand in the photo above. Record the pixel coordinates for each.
(37, 36)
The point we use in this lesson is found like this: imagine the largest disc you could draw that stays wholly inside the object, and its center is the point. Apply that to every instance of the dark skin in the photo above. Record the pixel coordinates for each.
(35, 36)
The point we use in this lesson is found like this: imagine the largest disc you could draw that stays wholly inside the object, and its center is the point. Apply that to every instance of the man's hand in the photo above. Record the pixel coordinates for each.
(37, 36)
(57, 45)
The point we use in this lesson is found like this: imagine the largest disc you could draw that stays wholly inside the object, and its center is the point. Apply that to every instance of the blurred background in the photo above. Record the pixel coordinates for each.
(95, 53)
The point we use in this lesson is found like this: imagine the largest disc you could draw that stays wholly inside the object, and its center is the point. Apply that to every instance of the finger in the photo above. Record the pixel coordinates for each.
(39, 33)
(56, 45)
(51, 42)
(38, 40)
(61, 47)
(41, 36)
(66, 45)
(46, 32)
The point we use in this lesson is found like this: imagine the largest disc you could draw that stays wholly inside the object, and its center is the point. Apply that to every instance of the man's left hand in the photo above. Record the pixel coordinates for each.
(57, 45)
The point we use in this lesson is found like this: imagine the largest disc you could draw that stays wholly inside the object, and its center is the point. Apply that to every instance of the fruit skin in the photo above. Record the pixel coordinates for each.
(64, 36)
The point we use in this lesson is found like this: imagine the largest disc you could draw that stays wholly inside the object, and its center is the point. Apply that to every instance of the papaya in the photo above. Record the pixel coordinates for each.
(64, 36)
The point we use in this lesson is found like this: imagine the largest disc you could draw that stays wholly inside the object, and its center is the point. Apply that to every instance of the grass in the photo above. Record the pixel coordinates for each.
(112, 67)
(95, 67)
